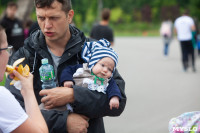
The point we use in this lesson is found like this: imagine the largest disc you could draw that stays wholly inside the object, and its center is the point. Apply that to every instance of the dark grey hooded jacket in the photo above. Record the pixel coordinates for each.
(92, 104)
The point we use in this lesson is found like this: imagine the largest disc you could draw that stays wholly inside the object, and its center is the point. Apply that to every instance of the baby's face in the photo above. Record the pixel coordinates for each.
(104, 67)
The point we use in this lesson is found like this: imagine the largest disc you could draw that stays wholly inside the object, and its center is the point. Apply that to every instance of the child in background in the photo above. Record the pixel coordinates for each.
(166, 31)
(97, 73)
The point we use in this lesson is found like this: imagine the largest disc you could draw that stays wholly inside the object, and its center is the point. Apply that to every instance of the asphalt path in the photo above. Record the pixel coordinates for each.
(157, 88)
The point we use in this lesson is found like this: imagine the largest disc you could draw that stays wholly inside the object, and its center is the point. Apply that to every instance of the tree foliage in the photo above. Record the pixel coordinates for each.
(126, 11)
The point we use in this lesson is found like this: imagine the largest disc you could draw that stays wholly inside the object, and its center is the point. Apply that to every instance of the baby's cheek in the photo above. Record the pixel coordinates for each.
(109, 75)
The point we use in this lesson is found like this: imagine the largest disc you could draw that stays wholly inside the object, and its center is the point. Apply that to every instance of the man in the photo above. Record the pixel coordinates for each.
(62, 45)
(102, 30)
(184, 26)
(13, 27)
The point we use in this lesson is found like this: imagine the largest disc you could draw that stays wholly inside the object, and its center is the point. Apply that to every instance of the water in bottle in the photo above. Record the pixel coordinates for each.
(47, 75)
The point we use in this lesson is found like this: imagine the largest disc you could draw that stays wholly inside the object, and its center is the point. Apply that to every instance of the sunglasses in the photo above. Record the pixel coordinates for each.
(9, 49)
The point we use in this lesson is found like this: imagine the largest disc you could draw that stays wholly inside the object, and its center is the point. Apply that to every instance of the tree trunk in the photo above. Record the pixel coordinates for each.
(100, 7)
(25, 8)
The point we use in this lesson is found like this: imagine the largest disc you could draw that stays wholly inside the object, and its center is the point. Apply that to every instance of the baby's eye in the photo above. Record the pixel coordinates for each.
(102, 65)
(110, 70)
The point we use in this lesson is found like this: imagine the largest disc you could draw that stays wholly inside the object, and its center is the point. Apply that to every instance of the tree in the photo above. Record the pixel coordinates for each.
(25, 9)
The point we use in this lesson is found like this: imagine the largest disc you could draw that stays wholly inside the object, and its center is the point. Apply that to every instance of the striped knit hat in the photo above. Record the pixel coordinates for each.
(92, 52)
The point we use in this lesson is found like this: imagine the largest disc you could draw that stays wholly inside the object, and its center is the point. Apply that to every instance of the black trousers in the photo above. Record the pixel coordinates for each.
(187, 53)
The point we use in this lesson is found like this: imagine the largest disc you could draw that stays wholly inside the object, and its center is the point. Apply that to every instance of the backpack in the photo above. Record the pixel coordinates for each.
(165, 29)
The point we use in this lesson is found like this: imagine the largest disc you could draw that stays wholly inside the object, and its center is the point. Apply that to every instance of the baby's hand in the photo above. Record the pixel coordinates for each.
(114, 102)
(68, 84)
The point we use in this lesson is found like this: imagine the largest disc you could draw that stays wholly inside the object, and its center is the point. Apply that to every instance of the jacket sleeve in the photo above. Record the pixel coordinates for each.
(94, 104)
(67, 73)
(113, 90)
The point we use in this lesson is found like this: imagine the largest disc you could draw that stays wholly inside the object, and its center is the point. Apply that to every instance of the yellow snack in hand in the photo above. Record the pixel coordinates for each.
(24, 71)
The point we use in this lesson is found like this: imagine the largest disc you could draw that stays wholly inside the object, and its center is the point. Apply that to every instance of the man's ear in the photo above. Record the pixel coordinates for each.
(70, 16)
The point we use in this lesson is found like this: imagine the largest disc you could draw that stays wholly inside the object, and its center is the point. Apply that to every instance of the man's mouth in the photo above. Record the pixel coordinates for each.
(49, 34)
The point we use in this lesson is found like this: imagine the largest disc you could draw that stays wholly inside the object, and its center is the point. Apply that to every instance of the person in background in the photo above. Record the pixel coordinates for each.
(27, 26)
(102, 30)
(33, 28)
(184, 26)
(166, 31)
(13, 27)
(12, 116)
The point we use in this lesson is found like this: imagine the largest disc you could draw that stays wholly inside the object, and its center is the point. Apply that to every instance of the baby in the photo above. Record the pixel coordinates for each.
(97, 73)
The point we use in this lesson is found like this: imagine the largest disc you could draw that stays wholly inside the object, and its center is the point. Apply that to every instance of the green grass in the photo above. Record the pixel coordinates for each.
(3, 82)
(136, 29)
(131, 29)
(137, 33)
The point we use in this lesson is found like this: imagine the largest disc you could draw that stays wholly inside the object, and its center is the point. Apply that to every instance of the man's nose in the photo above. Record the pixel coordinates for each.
(48, 24)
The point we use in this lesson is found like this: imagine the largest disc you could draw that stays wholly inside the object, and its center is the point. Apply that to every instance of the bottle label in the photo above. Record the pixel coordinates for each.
(47, 76)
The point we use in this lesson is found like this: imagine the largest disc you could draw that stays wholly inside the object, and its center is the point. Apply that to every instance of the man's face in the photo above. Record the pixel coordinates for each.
(11, 11)
(54, 22)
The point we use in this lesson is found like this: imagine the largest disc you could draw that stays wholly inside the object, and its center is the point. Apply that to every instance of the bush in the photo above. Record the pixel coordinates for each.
(3, 82)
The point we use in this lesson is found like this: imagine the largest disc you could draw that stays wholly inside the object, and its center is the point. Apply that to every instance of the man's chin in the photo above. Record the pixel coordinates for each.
(51, 39)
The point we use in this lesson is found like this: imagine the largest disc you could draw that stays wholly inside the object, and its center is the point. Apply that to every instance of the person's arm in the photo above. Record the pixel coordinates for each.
(89, 103)
(35, 122)
(113, 89)
(114, 94)
(94, 104)
(193, 28)
(67, 73)
(112, 38)
(11, 88)
(50, 116)
(77, 123)
(175, 31)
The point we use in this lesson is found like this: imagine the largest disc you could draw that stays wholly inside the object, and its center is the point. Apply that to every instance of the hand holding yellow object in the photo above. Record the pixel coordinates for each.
(24, 71)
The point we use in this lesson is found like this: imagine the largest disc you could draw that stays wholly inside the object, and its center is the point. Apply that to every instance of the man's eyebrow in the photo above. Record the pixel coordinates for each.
(49, 16)
(39, 16)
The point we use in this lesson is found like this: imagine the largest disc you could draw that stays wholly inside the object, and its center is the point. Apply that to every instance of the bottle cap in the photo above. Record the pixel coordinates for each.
(45, 61)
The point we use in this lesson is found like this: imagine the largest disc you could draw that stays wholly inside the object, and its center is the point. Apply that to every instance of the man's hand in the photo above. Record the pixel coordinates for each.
(56, 97)
(77, 123)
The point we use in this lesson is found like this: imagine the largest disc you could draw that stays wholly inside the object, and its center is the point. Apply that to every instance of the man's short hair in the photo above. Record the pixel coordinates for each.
(12, 4)
(105, 14)
(66, 4)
